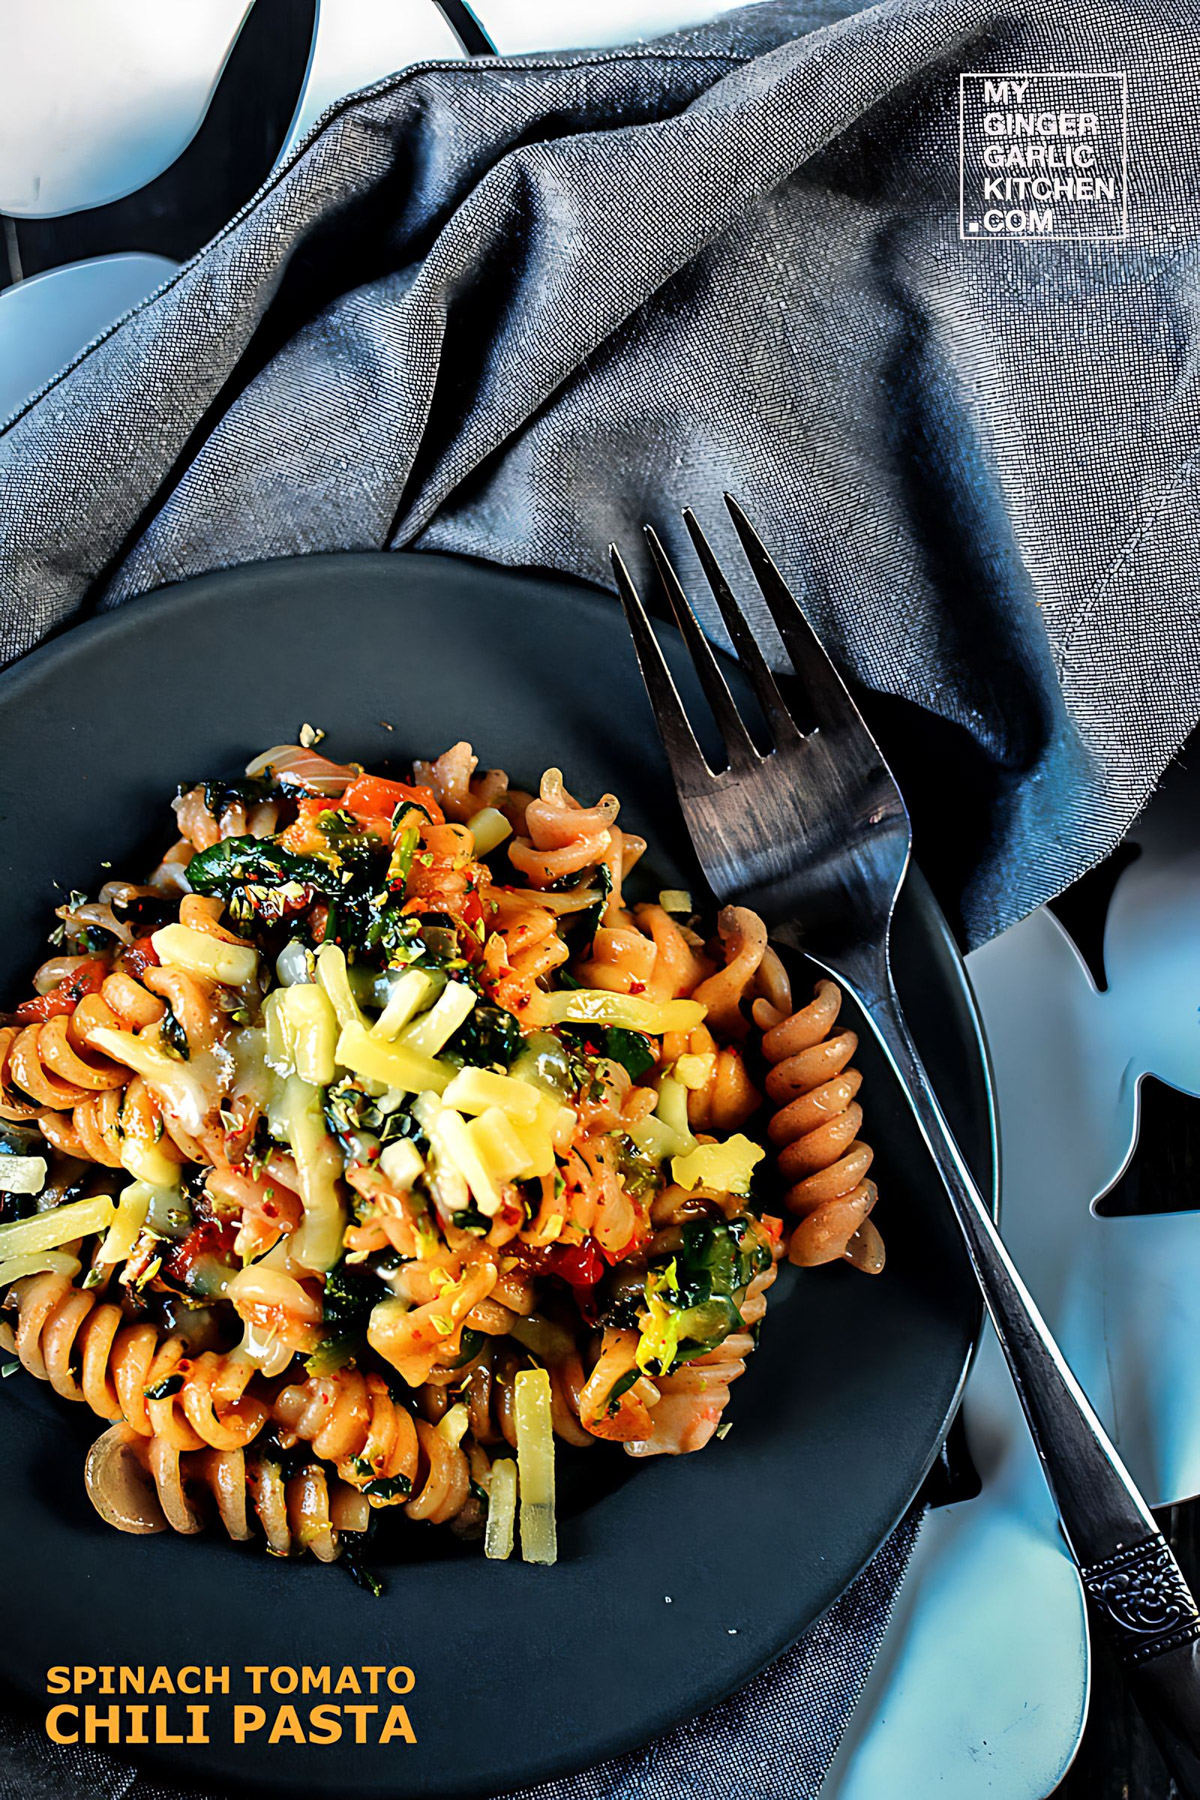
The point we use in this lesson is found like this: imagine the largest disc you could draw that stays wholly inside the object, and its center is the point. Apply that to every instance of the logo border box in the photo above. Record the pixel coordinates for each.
(1107, 237)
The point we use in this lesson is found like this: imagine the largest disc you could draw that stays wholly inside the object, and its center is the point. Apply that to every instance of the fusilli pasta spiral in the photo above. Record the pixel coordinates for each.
(816, 1129)
(384, 1135)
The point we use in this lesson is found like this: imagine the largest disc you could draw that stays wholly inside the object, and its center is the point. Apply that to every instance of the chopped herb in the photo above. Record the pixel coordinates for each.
(388, 1487)
(174, 1037)
(358, 1572)
(621, 1386)
(692, 1300)
(333, 1353)
(163, 1390)
(362, 1124)
(346, 838)
(10, 1368)
(590, 921)
(632, 1049)
(349, 1296)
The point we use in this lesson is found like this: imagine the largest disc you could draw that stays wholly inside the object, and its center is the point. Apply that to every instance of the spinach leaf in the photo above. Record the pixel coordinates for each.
(693, 1297)
(489, 1038)
(632, 1049)
(174, 1037)
(589, 921)
(629, 1048)
(247, 861)
(249, 789)
(350, 1293)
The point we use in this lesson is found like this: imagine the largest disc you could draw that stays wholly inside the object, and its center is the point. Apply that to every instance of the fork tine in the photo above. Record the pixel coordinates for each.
(683, 752)
(782, 726)
(824, 688)
(738, 743)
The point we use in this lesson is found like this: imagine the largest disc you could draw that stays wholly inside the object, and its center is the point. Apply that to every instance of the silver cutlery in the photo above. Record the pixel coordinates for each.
(815, 836)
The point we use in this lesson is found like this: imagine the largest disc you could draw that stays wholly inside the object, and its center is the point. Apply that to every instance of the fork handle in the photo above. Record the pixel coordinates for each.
(1135, 1586)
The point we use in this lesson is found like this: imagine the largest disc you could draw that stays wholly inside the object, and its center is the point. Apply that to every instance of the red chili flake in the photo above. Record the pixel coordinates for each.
(637, 987)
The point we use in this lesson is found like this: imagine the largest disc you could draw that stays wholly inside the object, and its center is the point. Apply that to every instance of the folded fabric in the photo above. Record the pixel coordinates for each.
(514, 310)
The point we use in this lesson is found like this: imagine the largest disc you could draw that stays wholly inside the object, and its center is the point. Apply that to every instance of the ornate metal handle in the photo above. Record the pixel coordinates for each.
(1144, 1599)
(1135, 1585)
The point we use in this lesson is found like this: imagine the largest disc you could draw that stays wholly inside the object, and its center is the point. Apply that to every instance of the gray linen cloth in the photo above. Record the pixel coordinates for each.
(514, 309)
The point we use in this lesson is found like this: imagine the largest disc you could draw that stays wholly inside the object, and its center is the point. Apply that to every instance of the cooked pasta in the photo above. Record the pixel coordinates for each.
(384, 1135)
(816, 1127)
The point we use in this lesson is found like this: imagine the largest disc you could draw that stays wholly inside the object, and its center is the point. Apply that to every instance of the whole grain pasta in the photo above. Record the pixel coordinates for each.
(378, 1102)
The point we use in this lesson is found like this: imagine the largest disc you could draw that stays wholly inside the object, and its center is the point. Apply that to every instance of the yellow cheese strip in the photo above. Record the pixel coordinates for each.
(59, 1225)
(199, 953)
(499, 1145)
(488, 827)
(450, 1139)
(475, 1090)
(318, 1243)
(146, 1162)
(398, 1065)
(411, 992)
(331, 973)
(133, 1204)
(726, 1168)
(596, 1006)
(38, 1262)
(434, 1028)
(502, 1510)
(535, 1463)
(302, 1032)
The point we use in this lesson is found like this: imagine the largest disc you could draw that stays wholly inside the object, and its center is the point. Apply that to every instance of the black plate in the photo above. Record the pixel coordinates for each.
(521, 1672)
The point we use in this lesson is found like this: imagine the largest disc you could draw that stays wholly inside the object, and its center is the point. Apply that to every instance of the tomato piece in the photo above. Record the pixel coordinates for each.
(211, 1240)
(140, 956)
(65, 997)
(371, 797)
(471, 911)
(579, 1265)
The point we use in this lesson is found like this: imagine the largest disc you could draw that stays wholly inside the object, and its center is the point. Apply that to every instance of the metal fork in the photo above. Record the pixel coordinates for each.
(815, 836)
